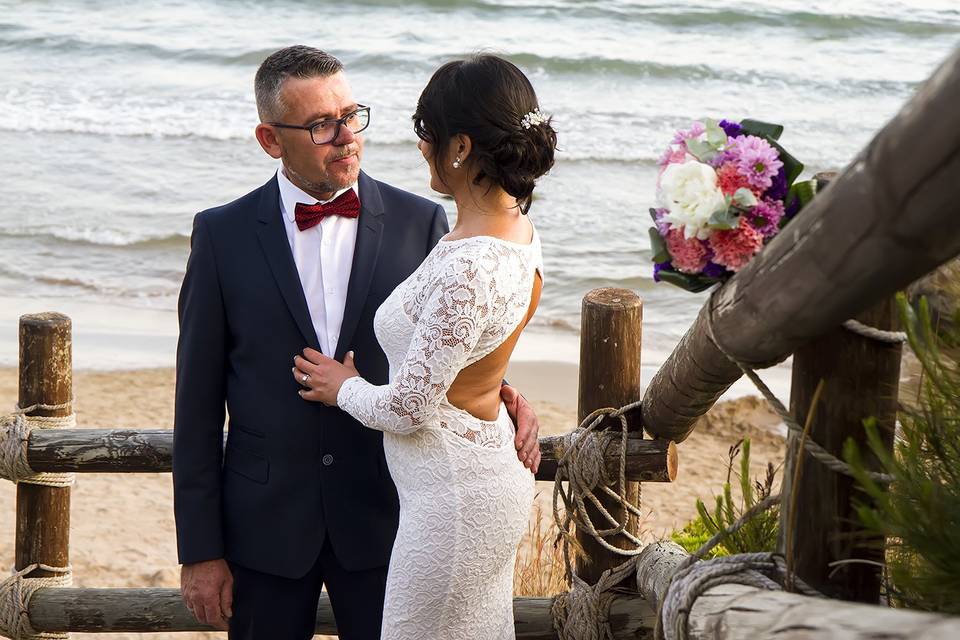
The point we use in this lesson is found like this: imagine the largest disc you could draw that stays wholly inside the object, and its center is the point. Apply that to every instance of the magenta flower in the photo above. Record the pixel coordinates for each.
(766, 217)
(756, 160)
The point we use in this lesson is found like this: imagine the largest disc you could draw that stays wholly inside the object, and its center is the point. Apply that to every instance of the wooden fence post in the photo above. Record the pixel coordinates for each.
(609, 377)
(818, 524)
(46, 378)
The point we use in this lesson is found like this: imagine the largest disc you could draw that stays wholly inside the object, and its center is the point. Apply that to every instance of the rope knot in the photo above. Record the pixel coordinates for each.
(15, 429)
(15, 594)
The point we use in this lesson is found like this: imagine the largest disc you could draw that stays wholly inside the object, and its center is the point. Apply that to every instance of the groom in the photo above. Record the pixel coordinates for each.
(300, 497)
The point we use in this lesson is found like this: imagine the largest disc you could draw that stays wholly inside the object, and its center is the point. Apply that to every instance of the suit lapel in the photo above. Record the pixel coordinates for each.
(276, 248)
(366, 250)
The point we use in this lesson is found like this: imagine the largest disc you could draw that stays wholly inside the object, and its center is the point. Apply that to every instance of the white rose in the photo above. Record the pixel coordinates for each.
(690, 192)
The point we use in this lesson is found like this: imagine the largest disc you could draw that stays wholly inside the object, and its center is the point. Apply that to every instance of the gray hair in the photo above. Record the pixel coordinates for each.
(297, 61)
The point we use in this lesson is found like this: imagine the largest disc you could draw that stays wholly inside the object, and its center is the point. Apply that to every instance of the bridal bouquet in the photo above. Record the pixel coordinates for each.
(725, 189)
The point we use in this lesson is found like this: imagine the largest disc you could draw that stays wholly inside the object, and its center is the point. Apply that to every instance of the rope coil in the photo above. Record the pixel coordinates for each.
(15, 594)
(15, 429)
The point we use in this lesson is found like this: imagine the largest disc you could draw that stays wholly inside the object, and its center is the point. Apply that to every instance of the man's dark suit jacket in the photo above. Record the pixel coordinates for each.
(292, 471)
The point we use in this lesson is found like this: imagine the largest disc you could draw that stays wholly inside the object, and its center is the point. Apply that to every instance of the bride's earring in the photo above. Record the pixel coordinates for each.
(456, 163)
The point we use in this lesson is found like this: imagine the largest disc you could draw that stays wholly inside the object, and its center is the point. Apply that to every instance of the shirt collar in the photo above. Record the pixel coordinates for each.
(291, 194)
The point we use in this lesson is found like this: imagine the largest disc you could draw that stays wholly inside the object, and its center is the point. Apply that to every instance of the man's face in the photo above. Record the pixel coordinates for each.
(324, 169)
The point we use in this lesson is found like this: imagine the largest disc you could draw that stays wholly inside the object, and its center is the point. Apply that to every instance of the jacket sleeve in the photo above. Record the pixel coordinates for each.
(438, 228)
(200, 399)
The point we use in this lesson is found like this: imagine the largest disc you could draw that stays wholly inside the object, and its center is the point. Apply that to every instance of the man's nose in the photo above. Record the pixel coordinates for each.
(345, 136)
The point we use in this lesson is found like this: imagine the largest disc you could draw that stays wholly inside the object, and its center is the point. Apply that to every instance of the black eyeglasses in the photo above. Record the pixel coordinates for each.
(326, 131)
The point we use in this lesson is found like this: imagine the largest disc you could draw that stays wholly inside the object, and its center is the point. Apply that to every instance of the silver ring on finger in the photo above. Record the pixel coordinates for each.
(304, 378)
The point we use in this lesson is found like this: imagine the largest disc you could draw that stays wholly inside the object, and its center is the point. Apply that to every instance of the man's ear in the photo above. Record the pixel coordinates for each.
(267, 137)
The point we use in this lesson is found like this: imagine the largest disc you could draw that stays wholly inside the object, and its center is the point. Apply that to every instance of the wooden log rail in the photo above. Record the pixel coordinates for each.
(151, 450)
(738, 612)
(890, 217)
(163, 611)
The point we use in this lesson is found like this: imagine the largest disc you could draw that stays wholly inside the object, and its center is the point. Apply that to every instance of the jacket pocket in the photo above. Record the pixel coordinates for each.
(246, 463)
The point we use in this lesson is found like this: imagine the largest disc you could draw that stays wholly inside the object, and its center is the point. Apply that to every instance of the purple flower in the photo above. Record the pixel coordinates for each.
(757, 161)
(695, 131)
(658, 267)
(714, 270)
(778, 189)
(662, 225)
(766, 216)
(733, 129)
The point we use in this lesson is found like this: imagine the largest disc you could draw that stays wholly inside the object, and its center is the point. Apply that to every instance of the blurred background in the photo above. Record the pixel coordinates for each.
(120, 120)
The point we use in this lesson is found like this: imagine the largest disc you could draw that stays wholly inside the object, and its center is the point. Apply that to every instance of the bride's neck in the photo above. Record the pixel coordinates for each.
(482, 211)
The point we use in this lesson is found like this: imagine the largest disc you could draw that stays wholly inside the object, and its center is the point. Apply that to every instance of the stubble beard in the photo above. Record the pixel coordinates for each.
(322, 187)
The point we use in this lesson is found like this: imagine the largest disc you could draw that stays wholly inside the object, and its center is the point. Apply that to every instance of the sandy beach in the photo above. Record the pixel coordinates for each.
(122, 526)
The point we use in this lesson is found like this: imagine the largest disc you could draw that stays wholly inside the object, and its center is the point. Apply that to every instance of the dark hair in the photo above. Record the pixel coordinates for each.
(297, 61)
(486, 98)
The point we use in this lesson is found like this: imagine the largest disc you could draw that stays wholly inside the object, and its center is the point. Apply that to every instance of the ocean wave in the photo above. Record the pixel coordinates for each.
(98, 238)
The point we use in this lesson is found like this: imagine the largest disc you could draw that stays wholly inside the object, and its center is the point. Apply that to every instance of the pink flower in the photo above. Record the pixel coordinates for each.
(673, 155)
(696, 130)
(756, 160)
(730, 179)
(735, 247)
(687, 255)
(766, 217)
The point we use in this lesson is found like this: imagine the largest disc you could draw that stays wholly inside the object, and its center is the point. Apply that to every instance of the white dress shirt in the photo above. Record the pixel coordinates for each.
(324, 257)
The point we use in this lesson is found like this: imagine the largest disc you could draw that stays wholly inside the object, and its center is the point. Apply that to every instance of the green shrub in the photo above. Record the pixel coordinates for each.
(759, 534)
(919, 513)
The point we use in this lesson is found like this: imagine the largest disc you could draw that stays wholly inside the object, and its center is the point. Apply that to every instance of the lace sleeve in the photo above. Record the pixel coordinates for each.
(450, 324)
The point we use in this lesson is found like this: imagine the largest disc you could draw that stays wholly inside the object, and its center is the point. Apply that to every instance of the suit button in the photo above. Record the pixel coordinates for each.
(327, 460)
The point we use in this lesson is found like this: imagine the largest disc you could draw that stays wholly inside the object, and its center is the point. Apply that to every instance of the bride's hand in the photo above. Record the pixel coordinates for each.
(321, 376)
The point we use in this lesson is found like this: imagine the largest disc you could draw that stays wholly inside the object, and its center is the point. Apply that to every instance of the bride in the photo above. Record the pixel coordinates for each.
(448, 332)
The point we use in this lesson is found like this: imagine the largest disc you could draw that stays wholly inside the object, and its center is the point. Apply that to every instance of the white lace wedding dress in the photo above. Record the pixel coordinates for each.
(464, 496)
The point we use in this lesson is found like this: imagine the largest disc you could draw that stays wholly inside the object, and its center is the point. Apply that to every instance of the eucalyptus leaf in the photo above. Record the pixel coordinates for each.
(724, 219)
(701, 150)
(716, 136)
(761, 129)
(658, 247)
(744, 198)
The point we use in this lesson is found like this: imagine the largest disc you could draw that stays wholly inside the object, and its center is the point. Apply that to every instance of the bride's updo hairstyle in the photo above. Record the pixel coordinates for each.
(490, 100)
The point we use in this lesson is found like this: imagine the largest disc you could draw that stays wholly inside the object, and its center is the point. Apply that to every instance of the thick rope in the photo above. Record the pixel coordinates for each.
(582, 467)
(890, 337)
(15, 431)
(15, 594)
(815, 450)
(695, 576)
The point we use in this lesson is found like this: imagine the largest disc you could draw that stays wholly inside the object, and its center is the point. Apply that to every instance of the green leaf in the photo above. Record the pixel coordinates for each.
(803, 192)
(716, 136)
(792, 168)
(744, 198)
(724, 219)
(703, 151)
(694, 283)
(761, 129)
(658, 247)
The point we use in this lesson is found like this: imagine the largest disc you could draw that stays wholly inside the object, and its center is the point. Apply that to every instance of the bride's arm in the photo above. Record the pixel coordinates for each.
(450, 325)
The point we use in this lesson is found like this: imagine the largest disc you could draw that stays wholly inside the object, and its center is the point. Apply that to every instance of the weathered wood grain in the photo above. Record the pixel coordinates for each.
(162, 611)
(45, 378)
(735, 612)
(610, 336)
(150, 450)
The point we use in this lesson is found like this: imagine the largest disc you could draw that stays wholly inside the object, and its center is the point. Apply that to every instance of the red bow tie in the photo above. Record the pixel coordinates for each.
(309, 215)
